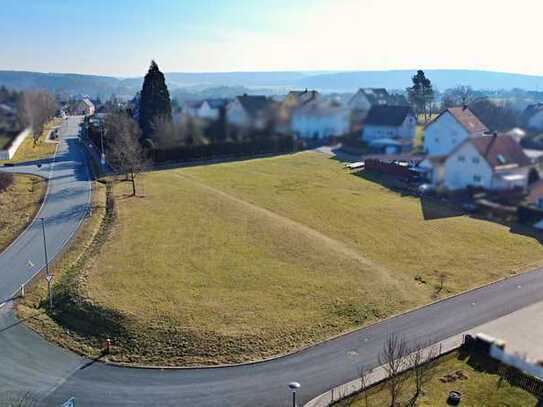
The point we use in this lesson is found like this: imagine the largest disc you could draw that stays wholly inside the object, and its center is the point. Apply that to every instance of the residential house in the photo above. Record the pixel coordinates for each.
(320, 120)
(390, 129)
(293, 101)
(451, 128)
(83, 107)
(364, 99)
(210, 109)
(250, 111)
(533, 117)
(493, 162)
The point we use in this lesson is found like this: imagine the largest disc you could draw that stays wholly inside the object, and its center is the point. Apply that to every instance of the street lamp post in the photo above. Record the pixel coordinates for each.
(293, 386)
(102, 154)
(48, 276)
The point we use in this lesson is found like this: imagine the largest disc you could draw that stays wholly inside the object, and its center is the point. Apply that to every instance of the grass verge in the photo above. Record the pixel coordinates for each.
(67, 270)
(19, 205)
(239, 261)
(476, 378)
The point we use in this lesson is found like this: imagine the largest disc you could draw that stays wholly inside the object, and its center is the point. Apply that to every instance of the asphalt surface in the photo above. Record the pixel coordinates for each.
(27, 362)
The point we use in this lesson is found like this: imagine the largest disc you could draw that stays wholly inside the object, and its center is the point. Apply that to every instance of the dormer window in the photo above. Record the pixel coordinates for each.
(501, 159)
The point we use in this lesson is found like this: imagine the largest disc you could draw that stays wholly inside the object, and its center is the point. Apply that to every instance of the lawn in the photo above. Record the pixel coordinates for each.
(18, 206)
(29, 151)
(239, 261)
(475, 378)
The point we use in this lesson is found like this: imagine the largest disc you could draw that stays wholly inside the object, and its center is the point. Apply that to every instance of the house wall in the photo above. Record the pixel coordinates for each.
(360, 103)
(460, 173)
(235, 114)
(206, 112)
(406, 131)
(309, 126)
(498, 183)
(536, 121)
(443, 135)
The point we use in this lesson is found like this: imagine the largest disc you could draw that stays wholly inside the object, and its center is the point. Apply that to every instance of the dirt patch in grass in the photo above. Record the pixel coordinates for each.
(476, 378)
(19, 205)
(240, 261)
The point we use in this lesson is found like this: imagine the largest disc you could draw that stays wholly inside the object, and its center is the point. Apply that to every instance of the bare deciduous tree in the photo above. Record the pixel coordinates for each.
(35, 109)
(419, 360)
(393, 359)
(125, 152)
(364, 384)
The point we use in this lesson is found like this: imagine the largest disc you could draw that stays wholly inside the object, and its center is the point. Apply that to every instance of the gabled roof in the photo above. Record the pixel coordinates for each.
(376, 96)
(316, 109)
(298, 98)
(466, 118)
(254, 105)
(384, 115)
(500, 150)
(532, 110)
(217, 103)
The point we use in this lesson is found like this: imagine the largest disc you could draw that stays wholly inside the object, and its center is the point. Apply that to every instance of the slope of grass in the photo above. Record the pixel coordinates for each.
(476, 379)
(18, 206)
(238, 261)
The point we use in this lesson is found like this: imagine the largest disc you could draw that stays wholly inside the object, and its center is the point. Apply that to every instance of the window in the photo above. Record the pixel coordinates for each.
(475, 160)
(476, 178)
(461, 158)
(436, 140)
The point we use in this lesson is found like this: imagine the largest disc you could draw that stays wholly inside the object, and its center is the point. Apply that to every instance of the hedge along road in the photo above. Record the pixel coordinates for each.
(28, 363)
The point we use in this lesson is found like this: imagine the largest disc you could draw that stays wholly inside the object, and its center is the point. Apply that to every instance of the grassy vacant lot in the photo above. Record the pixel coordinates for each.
(476, 379)
(28, 151)
(18, 206)
(238, 261)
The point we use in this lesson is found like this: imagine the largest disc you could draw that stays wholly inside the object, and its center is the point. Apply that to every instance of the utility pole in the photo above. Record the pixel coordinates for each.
(48, 276)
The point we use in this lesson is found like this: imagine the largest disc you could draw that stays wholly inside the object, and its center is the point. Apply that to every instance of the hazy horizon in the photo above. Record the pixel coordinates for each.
(120, 38)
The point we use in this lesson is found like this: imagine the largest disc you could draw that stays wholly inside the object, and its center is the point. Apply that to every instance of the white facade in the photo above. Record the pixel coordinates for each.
(320, 123)
(443, 135)
(465, 167)
(405, 132)
(236, 114)
(10, 152)
(207, 112)
(536, 121)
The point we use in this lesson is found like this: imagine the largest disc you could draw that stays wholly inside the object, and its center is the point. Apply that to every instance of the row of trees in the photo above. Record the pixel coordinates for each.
(402, 363)
(35, 109)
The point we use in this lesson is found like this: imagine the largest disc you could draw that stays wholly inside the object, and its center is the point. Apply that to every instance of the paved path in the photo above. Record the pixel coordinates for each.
(65, 205)
(29, 362)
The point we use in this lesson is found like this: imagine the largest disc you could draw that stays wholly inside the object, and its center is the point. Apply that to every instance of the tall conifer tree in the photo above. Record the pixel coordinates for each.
(155, 100)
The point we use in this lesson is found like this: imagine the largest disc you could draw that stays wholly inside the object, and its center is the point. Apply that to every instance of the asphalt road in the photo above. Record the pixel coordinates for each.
(27, 362)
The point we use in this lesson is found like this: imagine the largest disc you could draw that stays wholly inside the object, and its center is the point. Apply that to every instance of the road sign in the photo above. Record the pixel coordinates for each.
(69, 403)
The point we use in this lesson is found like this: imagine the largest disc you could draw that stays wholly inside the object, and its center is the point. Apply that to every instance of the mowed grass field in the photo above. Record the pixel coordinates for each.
(239, 261)
(18, 206)
(475, 378)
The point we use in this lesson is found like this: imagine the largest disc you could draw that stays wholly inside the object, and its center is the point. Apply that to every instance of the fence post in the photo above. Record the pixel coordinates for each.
(22, 290)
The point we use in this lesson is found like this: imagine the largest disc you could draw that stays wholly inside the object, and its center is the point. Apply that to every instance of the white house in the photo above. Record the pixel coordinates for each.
(451, 128)
(533, 117)
(250, 111)
(210, 109)
(389, 122)
(494, 162)
(83, 107)
(320, 120)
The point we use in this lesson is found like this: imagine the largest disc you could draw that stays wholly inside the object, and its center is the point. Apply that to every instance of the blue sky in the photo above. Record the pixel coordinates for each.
(120, 37)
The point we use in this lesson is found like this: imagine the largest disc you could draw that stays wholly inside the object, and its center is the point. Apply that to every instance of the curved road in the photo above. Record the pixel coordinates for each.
(28, 362)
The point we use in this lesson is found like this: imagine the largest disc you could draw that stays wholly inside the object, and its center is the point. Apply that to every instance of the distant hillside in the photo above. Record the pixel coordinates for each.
(442, 79)
(266, 82)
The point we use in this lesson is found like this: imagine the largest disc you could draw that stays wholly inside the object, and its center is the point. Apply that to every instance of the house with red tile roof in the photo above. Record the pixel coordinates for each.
(450, 129)
(492, 162)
